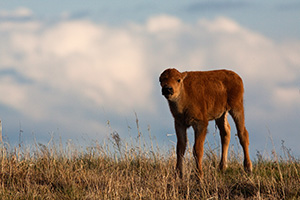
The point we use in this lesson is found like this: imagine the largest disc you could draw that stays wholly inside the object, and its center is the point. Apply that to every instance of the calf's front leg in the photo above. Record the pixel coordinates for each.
(181, 146)
(200, 133)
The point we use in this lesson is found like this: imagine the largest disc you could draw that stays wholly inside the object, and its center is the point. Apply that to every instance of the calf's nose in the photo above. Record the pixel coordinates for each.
(167, 90)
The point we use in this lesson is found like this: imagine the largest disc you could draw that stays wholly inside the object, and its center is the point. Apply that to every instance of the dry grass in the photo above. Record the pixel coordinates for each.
(135, 170)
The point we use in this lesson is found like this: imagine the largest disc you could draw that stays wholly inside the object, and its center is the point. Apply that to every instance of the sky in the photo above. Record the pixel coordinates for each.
(83, 70)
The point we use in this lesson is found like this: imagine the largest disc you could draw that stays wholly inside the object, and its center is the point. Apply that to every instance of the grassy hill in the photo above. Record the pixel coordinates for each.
(120, 170)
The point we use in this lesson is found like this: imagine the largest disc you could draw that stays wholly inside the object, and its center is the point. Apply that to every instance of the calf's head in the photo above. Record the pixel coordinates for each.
(171, 81)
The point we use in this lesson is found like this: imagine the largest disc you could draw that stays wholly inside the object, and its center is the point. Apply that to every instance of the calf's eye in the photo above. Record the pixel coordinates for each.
(178, 80)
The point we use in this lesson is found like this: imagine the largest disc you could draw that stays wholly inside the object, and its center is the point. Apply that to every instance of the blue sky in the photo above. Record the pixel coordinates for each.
(68, 68)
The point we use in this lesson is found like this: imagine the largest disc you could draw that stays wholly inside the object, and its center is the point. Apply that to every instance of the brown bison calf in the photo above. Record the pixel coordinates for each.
(197, 97)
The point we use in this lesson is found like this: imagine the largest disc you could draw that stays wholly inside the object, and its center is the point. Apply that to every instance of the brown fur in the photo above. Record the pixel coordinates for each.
(197, 97)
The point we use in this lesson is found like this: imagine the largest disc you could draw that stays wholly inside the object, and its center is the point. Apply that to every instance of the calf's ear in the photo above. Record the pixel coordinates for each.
(183, 75)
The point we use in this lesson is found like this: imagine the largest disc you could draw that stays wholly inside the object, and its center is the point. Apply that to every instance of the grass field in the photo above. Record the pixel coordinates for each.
(118, 169)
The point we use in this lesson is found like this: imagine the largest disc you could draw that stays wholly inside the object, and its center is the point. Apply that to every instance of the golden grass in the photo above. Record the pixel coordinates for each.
(120, 170)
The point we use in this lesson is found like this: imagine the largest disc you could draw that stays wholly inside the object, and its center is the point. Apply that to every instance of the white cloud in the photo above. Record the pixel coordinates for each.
(19, 12)
(80, 66)
(287, 97)
(163, 23)
(102, 64)
(248, 52)
(221, 25)
(14, 94)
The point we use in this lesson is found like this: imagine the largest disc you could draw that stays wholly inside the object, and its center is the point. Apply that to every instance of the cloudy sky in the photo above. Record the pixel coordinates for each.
(80, 70)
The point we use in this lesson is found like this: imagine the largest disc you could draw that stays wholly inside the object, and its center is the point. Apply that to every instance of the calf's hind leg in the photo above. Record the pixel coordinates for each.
(224, 128)
(239, 119)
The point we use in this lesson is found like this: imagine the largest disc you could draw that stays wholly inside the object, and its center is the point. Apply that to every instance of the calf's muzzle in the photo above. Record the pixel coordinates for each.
(166, 91)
